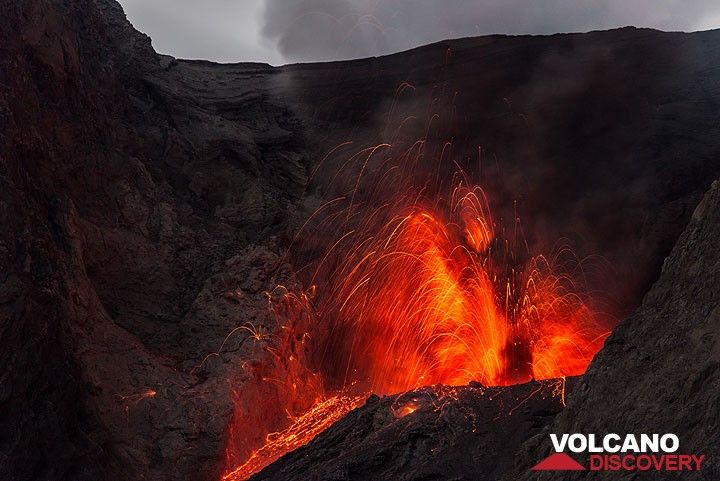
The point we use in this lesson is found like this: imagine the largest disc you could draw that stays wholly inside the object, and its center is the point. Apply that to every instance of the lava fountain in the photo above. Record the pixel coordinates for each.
(416, 285)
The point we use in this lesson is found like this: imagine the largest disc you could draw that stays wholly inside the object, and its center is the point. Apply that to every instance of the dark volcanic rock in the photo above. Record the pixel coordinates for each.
(659, 371)
(124, 207)
(146, 203)
(606, 138)
(464, 433)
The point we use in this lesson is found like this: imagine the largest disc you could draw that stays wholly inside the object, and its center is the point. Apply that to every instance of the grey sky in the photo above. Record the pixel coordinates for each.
(280, 31)
(220, 30)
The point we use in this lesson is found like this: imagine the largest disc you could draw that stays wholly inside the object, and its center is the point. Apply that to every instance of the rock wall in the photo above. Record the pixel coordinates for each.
(659, 370)
(126, 199)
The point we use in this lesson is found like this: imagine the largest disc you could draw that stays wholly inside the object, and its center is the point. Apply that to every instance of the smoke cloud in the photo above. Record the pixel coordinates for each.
(219, 30)
(313, 30)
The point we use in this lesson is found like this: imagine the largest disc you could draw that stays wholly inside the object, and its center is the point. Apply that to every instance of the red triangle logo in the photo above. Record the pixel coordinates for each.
(558, 462)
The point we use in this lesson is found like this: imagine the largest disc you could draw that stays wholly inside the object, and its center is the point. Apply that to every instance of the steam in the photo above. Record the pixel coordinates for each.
(313, 30)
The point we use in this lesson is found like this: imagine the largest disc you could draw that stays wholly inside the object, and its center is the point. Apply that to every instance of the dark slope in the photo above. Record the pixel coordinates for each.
(115, 217)
(145, 203)
(453, 433)
(660, 369)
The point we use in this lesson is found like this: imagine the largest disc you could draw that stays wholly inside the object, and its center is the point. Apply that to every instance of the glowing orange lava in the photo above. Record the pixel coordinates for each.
(423, 300)
(302, 430)
(418, 291)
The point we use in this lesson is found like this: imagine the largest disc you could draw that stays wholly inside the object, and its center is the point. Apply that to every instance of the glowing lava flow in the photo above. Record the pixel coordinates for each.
(300, 432)
(419, 292)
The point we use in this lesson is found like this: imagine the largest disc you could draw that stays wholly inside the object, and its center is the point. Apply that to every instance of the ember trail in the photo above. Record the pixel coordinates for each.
(416, 285)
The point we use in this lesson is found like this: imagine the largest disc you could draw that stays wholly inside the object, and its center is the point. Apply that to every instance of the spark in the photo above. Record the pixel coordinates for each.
(418, 287)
